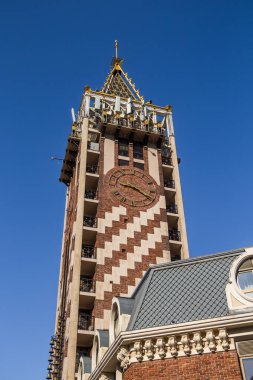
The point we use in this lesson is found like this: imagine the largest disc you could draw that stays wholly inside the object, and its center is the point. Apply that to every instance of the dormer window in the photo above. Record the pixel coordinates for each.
(245, 277)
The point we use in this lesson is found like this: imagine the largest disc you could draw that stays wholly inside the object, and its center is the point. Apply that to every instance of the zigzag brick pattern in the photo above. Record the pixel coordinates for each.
(128, 242)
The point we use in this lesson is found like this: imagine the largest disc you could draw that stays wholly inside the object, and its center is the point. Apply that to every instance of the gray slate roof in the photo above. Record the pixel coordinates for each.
(183, 291)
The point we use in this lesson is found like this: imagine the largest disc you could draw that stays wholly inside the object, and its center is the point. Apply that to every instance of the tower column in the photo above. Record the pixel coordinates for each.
(77, 233)
(179, 197)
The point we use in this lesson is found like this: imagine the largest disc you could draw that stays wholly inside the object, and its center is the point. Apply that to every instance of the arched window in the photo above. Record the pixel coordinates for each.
(245, 277)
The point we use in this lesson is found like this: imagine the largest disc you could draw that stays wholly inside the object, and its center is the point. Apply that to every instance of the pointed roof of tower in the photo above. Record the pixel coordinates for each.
(118, 83)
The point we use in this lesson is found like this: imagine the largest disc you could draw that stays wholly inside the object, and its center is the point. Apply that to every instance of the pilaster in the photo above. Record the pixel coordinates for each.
(78, 232)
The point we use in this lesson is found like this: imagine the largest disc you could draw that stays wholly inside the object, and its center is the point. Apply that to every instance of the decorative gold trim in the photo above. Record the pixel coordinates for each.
(131, 85)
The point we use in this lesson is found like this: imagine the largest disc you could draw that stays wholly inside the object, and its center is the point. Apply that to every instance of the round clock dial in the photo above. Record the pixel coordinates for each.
(132, 187)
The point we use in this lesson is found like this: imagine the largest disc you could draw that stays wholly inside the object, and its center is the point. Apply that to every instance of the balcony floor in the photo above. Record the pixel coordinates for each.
(90, 206)
(88, 266)
(167, 170)
(89, 235)
(86, 300)
(172, 216)
(85, 338)
(169, 194)
(175, 247)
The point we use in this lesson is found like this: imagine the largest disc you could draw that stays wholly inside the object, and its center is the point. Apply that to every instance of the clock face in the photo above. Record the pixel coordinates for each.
(132, 187)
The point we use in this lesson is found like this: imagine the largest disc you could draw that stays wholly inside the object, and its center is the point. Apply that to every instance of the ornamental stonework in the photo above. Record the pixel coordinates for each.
(195, 343)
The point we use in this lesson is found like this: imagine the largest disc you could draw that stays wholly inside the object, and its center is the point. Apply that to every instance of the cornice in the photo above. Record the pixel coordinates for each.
(172, 346)
(216, 327)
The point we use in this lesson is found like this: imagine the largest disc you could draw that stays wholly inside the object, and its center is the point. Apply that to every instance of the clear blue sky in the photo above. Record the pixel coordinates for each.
(195, 55)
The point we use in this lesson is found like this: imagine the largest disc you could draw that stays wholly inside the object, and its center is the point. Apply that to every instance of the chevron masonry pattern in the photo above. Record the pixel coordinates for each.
(124, 234)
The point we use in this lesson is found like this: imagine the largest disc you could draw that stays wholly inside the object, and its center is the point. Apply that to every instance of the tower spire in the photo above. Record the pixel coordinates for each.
(117, 82)
(116, 48)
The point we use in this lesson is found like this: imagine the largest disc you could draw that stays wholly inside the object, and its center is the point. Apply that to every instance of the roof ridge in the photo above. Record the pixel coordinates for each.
(207, 257)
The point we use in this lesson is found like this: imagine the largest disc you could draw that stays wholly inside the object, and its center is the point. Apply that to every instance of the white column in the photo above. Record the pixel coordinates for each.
(78, 231)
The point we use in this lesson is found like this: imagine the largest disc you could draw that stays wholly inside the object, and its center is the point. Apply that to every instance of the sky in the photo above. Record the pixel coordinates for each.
(196, 55)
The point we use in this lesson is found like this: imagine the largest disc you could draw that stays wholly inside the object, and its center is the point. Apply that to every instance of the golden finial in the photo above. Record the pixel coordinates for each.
(116, 48)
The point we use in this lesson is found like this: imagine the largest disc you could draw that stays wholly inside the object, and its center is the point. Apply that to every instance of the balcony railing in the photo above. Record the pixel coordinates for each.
(85, 322)
(91, 194)
(172, 208)
(92, 169)
(87, 285)
(147, 125)
(174, 235)
(90, 221)
(89, 251)
(167, 161)
(95, 124)
(169, 183)
(93, 146)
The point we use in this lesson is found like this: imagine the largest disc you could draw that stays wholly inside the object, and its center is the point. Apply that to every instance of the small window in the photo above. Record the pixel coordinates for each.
(138, 151)
(247, 368)
(123, 148)
(139, 165)
(116, 323)
(97, 350)
(245, 277)
(245, 352)
(123, 163)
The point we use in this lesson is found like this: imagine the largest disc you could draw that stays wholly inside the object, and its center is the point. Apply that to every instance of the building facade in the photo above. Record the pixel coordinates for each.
(189, 320)
(124, 211)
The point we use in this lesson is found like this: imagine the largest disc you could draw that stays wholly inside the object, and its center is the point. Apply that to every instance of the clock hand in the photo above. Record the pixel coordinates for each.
(144, 192)
(127, 184)
(133, 186)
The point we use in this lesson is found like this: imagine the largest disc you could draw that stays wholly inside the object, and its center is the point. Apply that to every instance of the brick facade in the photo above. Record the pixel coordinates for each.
(120, 255)
(119, 258)
(215, 366)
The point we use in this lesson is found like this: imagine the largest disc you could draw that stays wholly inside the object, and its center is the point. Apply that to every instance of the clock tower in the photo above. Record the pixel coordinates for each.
(124, 212)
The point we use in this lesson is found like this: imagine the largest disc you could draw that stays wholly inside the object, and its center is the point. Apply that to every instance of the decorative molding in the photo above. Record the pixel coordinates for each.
(103, 377)
(236, 299)
(163, 335)
(123, 357)
(195, 343)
